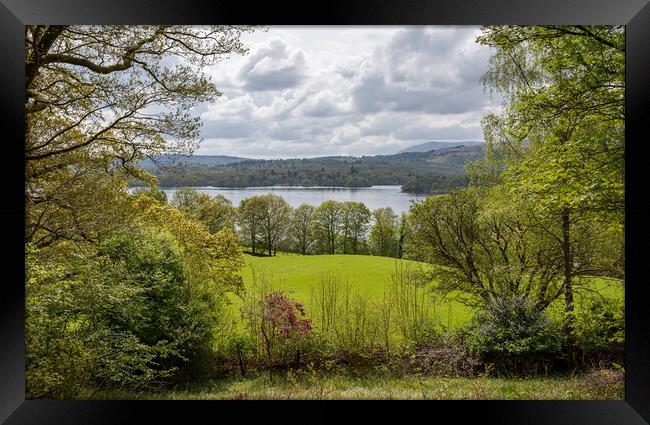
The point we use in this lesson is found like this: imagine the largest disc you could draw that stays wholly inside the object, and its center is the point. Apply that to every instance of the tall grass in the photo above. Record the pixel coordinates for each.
(345, 317)
(411, 298)
(354, 322)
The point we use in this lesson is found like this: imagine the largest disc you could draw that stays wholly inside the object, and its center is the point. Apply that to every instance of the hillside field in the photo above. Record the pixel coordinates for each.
(295, 274)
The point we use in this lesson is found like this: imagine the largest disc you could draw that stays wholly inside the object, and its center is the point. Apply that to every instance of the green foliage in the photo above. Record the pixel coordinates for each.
(212, 261)
(98, 100)
(487, 247)
(132, 309)
(157, 194)
(301, 236)
(511, 326)
(410, 300)
(187, 199)
(600, 323)
(347, 320)
(107, 318)
(151, 264)
(327, 226)
(384, 234)
(264, 220)
(355, 218)
(215, 212)
(558, 141)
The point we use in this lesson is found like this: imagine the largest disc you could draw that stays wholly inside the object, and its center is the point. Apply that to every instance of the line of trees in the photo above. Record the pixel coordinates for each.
(267, 224)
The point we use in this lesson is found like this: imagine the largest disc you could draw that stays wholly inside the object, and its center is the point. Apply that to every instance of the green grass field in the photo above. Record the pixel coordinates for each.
(295, 274)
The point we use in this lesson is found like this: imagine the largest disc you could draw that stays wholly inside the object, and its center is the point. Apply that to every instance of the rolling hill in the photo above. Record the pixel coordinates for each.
(202, 160)
(418, 172)
(296, 274)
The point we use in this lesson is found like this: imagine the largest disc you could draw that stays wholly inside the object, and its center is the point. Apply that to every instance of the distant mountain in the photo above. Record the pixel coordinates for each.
(194, 160)
(436, 145)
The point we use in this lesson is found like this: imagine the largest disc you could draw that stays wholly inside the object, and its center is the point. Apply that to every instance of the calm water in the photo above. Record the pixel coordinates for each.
(374, 197)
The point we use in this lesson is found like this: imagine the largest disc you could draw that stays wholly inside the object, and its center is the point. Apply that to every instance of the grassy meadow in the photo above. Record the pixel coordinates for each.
(295, 274)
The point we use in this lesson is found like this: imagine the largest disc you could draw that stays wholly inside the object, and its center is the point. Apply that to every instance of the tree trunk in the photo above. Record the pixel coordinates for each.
(267, 341)
(241, 364)
(569, 319)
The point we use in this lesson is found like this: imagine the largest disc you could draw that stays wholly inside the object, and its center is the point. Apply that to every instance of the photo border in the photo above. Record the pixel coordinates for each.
(635, 14)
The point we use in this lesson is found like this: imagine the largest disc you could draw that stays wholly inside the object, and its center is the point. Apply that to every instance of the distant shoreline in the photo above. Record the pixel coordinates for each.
(286, 187)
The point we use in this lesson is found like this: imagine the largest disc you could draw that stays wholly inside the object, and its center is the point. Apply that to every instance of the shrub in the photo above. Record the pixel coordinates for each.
(512, 333)
(95, 322)
(600, 324)
(123, 313)
(282, 324)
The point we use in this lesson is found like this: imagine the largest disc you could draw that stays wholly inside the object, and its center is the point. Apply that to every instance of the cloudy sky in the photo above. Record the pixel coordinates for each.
(314, 91)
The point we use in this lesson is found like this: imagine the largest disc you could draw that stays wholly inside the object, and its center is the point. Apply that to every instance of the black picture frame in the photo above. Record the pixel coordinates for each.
(635, 14)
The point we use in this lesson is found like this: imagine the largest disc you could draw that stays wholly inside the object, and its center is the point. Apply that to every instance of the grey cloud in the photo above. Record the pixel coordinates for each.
(423, 132)
(373, 94)
(228, 129)
(322, 104)
(423, 70)
(286, 133)
(273, 67)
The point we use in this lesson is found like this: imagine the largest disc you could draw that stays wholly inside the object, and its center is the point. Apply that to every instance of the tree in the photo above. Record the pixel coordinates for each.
(560, 135)
(99, 99)
(249, 217)
(187, 199)
(71, 211)
(301, 226)
(355, 217)
(274, 219)
(404, 231)
(157, 194)
(484, 247)
(215, 213)
(211, 262)
(327, 225)
(137, 283)
(115, 314)
(383, 235)
(210, 259)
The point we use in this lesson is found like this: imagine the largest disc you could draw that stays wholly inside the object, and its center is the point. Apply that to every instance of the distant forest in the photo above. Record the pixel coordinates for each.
(417, 172)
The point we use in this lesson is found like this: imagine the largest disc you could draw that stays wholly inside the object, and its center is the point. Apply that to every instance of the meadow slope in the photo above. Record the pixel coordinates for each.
(295, 274)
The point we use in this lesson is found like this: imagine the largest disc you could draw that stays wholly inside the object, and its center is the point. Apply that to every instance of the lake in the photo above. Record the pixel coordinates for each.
(373, 197)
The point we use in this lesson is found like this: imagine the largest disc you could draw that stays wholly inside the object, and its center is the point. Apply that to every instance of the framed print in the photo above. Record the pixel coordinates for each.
(434, 201)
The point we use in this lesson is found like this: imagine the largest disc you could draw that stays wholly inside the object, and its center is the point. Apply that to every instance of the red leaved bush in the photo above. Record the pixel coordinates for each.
(282, 314)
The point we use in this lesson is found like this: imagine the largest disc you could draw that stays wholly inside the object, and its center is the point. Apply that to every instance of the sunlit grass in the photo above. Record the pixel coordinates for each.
(295, 274)
(306, 385)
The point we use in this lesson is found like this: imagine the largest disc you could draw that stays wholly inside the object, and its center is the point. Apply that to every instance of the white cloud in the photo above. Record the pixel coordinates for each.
(273, 66)
(309, 91)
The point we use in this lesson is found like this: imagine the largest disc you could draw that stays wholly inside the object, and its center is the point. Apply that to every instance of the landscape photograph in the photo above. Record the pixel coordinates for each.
(324, 212)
